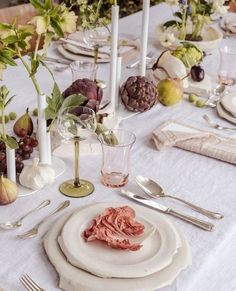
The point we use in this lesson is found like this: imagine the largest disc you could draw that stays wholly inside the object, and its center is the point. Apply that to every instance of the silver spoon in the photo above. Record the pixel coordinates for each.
(12, 225)
(154, 190)
(217, 92)
(216, 125)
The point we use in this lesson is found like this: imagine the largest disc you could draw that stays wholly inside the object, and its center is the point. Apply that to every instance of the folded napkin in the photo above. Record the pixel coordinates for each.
(172, 133)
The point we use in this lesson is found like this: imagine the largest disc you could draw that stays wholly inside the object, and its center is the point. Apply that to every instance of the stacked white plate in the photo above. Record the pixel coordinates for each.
(74, 49)
(226, 107)
(94, 266)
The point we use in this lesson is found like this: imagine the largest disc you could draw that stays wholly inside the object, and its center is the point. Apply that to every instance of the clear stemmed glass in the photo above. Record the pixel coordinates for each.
(97, 37)
(76, 123)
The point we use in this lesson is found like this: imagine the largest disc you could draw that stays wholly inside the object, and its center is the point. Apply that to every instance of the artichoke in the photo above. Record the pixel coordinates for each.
(138, 94)
(89, 89)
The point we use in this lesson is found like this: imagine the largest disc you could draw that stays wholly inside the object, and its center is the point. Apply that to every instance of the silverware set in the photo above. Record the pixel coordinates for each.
(216, 125)
(33, 231)
(155, 191)
(30, 284)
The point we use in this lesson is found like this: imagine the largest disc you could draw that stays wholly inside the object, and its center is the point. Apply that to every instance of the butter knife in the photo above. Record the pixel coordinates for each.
(162, 208)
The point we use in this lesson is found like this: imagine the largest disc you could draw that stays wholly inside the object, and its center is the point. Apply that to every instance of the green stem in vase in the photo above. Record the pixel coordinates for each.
(32, 77)
(76, 145)
(182, 34)
(3, 124)
(96, 51)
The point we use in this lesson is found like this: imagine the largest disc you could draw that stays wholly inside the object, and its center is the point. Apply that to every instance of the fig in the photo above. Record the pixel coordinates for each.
(197, 73)
(23, 125)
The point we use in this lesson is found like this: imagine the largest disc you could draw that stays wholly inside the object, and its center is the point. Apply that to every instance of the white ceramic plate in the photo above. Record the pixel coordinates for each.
(156, 253)
(224, 114)
(72, 278)
(78, 57)
(228, 101)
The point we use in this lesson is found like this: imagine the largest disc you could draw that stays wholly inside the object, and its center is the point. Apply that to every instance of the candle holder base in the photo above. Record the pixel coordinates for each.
(59, 168)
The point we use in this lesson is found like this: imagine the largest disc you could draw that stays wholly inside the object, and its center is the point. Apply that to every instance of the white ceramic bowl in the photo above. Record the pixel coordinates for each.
(211, 38)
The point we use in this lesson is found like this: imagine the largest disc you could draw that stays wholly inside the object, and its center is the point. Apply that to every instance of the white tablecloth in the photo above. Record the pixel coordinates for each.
(204, 181)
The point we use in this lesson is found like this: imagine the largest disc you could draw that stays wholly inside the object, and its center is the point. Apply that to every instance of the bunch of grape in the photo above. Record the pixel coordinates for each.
(26, 145)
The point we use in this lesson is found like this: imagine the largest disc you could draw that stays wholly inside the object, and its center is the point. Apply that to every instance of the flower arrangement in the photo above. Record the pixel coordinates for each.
(51, 21)
(191, 17)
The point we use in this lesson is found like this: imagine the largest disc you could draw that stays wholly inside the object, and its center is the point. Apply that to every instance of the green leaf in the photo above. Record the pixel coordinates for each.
(171, 23)
(11, 143)
(34, 66)
(37, 4)
(48, 4)
(10, 39)
(50, 114)
(74, 100)
(9, 100)
(57, 98)
(6, 60)
(56, 27)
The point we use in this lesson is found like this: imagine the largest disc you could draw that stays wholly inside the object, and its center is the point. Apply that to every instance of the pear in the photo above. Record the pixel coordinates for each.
(170, 91)
(23, 125)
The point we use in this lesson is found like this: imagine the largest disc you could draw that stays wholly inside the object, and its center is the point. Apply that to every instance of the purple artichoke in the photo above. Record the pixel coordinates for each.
(89, 89)
(138, 94)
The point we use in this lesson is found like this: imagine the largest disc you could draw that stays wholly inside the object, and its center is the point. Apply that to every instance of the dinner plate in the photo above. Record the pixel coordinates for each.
(222, 112)
(228, 101)
(78, 57)
(156, 253)
(72, 278)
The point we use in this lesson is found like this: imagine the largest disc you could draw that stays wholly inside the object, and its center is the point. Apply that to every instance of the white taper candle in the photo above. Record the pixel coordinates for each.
(42, 130)
(114, 52)
(11, 164)
(144, 37)
(49, 148)
(118, 80)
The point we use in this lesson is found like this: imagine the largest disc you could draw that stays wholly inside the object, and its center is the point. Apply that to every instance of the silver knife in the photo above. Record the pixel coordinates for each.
(162, 208)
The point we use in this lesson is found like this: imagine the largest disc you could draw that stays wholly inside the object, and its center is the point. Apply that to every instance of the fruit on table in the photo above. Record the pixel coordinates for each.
(12, 115)
(138, 94)
(170, 91)
(87, 88)
(192, 98)
(36, 176)
(169, 66)
(197, 73)
(35, 112)
(26, 146)
(200, 103)
(8, 191)
(24, 125)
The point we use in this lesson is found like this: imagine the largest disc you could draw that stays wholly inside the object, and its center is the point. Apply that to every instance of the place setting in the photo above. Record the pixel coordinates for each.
(94, 148)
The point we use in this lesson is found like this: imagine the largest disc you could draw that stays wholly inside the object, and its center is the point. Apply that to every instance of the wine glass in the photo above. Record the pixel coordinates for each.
(97, 37)
(76, 123)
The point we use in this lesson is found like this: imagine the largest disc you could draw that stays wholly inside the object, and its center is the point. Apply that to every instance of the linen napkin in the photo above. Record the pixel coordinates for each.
(172, 133)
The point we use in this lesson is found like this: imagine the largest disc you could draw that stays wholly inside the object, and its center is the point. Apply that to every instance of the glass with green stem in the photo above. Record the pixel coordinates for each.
(76, 123)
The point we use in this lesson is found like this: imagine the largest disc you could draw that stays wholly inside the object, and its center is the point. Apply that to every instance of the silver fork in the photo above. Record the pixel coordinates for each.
(134, 64)
(30, 284)
(34, 231)
(216, 125)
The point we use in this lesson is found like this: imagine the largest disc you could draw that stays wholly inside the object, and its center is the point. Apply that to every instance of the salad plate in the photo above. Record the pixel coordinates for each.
(156, 253)
(222, 112)
(228, 101)
(72, 278)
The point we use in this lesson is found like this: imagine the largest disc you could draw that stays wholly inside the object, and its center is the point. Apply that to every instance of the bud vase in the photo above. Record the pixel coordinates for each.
(42, 134)
(11, 164)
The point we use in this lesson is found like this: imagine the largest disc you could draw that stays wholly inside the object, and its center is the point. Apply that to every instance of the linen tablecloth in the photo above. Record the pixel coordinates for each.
(202, 180)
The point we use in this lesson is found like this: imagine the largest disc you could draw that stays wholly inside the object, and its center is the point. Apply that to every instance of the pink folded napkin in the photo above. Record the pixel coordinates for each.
(172, 133)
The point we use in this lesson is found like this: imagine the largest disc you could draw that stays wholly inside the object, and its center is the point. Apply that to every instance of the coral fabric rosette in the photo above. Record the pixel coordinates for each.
(191, 22)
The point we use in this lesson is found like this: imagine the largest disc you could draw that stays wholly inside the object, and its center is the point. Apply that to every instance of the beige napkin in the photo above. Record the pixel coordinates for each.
(172, 133)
